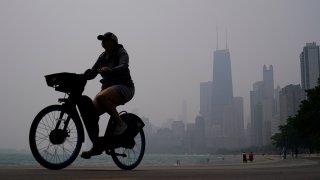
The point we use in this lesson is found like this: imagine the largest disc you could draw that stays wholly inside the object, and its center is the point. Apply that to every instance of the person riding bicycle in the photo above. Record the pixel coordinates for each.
(117, 87)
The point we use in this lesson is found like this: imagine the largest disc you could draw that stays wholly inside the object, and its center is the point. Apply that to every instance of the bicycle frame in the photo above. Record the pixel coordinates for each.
(70, 106)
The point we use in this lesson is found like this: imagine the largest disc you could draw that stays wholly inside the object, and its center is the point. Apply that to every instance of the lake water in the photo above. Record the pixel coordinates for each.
(26, 159)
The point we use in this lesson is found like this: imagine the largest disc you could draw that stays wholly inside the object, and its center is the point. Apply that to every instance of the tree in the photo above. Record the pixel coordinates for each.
(302, 130)
(289, 136)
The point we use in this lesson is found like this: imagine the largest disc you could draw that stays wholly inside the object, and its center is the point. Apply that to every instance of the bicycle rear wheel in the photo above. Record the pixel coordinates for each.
(133, 156)
(55, 148)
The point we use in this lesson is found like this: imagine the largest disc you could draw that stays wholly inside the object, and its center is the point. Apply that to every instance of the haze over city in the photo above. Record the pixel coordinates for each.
(170, 44)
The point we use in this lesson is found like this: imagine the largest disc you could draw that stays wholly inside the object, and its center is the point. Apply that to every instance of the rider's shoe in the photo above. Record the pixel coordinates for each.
(120, 129)
(94, 151)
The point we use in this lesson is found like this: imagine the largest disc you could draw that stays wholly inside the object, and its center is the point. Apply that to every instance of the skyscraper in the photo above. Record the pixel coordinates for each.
(267, 103)
(206, 100)
(262, 108)
(268, 82)
(200, 134)
(222, 113)
(310, 65)
(256, 113)
(222, 92)
(290, 99)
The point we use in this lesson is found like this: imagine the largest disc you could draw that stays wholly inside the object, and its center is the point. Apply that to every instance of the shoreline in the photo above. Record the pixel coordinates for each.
(155, 160)
(264, 160)
(303, 168)
(12, 159)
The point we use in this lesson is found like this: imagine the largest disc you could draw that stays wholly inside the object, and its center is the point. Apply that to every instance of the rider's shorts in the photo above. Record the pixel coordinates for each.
(126, 93)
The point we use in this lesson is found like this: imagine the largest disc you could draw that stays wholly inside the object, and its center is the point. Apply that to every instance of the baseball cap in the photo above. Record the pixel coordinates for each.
(108, 35)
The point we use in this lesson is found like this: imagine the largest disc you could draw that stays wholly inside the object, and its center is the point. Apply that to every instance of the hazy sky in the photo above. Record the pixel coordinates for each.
(170, 44)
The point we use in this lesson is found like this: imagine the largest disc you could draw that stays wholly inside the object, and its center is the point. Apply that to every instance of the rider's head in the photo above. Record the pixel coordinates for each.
(108, 40)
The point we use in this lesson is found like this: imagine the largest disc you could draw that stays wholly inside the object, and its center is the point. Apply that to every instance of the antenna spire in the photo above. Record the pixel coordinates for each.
(217, 39)
(226, 38)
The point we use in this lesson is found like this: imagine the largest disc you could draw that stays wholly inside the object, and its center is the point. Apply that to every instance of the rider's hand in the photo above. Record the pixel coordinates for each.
(104, 70)
(90, 74)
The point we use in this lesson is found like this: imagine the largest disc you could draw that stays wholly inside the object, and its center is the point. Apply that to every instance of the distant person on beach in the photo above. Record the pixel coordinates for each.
(284, 153)
(244, 157)
(178, 162)
(251, 157)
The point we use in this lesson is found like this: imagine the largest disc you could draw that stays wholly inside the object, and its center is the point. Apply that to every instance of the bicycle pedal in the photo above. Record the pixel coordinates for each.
(122, 155)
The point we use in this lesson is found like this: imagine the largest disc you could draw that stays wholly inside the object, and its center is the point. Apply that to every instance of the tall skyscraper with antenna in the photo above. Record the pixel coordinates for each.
(222, 92)
(224, 117)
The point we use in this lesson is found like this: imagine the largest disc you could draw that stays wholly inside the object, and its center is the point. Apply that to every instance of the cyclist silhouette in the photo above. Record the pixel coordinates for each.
(117, 88)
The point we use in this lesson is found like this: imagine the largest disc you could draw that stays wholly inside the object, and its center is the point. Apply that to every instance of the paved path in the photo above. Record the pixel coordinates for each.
(275, 169)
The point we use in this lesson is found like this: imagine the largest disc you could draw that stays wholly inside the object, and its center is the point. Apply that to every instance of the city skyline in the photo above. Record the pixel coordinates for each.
(270, 108)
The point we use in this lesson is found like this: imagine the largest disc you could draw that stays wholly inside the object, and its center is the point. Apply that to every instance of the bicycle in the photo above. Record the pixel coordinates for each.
(57, 133)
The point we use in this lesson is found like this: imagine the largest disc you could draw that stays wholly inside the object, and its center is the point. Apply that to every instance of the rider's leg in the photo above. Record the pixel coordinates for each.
(93, 132)
(92, 127)
(107, 100)
(89, 117)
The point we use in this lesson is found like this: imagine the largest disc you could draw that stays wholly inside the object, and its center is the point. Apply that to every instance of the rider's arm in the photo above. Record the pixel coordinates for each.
(123, 63)
(93, 72)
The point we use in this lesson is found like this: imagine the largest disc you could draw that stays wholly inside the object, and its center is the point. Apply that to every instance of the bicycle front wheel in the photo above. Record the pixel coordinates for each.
(132, 156)
(55, 137)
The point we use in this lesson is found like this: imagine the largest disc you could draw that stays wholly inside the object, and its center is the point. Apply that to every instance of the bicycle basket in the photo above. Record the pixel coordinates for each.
(66, 82)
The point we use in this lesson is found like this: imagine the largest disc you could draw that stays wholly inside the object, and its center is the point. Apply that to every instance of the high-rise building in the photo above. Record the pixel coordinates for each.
(239, 117)
(267, 103)
(199, 134)
(221, 112)
(233, 125)
(275, 122)
(256, 113)
(268, 83)
(222, 92)
(262, 108)
(310, 65)
(205, 101)
(290, 99)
